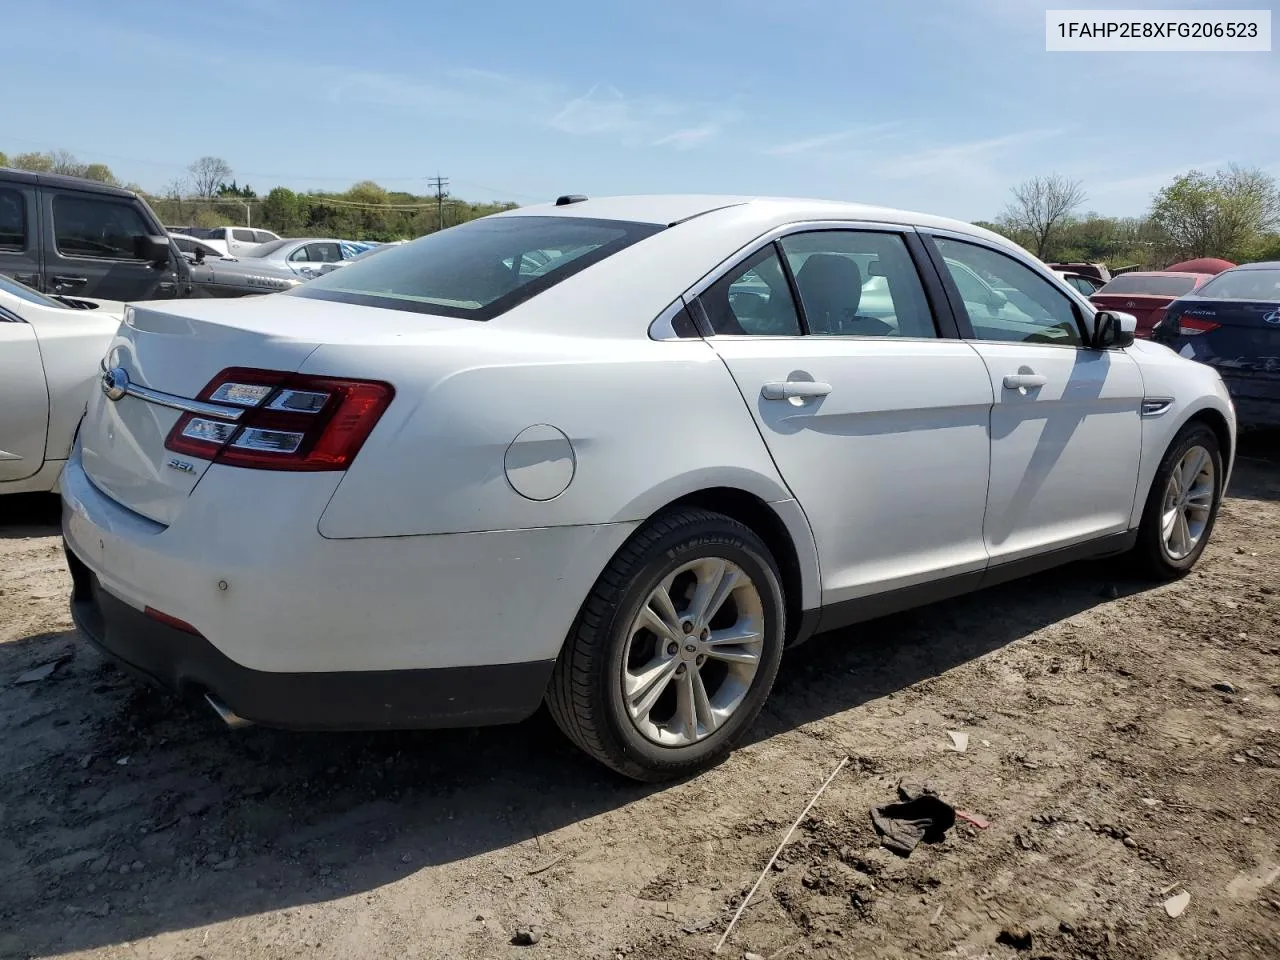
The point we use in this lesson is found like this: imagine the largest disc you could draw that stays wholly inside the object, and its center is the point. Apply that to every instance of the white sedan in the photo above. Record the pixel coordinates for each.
(49, 354)
(613, 454)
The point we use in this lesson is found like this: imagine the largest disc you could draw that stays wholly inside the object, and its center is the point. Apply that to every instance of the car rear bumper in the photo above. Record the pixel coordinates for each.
(1257, 402)
(291, 629)
(186, 663)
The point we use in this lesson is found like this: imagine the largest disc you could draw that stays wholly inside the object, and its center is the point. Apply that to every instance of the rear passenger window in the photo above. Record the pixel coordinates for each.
(261, 236)
(753, 299)
(13, 220)
(858, 283)
(92, 227)
(244, 236)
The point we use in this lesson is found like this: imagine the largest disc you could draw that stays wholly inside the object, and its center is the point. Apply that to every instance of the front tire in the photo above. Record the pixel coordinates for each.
(1182, 505)
(675, 649)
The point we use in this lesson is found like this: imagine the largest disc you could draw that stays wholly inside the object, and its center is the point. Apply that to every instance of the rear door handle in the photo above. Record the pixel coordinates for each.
(1024, 381)
(70, 281)
(788, 389)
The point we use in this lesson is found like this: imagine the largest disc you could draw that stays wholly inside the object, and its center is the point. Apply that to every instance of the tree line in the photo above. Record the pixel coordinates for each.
(1232, 213)
(208, 195)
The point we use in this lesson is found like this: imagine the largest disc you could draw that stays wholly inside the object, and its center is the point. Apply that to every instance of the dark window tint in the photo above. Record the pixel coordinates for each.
(1083, 284)
(90, 227)
(185, 245)
(480, 269)
(324, 252)
(1261, 284)
(262, 236)
(1007, 300)
(856, 283)
(243, 236)
(753, 299)
(13, 220)
(1149, 285)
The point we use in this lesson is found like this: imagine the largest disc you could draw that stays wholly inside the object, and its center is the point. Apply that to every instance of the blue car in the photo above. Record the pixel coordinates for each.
(1232, 323)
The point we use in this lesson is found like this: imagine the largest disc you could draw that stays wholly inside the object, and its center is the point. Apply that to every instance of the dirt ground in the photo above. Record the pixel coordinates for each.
(1122, 743)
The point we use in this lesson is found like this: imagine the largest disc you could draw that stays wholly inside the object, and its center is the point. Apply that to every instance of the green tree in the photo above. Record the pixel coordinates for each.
(284, 211)
(4, 159)
(35, 162)
(1224, 214)
(100, 172)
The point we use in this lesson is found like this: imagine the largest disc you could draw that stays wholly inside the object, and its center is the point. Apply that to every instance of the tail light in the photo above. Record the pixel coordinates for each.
(1193, 326)
(290, 421)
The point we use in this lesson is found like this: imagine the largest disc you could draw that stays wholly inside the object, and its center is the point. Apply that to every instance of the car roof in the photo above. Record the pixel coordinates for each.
(67, 183)
(670, 209)
(1260, 265)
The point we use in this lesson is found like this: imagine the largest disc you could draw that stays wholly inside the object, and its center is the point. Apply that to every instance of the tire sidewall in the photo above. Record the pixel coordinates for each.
(1195, 435)
(728, 542)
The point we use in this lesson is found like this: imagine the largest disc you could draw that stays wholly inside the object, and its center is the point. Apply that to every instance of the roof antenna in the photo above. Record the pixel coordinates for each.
(569, 198)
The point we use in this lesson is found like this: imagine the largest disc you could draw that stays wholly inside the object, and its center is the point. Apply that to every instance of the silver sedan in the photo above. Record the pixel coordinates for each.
(306, 257)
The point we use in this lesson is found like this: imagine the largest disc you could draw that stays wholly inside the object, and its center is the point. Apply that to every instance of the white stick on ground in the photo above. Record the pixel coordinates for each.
(803, 813)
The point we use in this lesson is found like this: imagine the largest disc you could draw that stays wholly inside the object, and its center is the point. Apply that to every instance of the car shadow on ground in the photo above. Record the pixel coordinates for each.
(130, 814)
(29, 515)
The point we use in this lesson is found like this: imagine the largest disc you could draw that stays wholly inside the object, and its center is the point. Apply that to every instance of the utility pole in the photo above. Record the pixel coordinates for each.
(439, 183)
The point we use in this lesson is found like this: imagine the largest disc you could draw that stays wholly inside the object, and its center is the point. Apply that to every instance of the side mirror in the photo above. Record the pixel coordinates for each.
(996, 301)
(152, 249)
(1111, 328)
(199, 254)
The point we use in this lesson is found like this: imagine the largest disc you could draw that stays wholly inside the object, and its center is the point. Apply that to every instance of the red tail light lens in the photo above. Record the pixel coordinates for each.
(1193, 327)
(289, 421)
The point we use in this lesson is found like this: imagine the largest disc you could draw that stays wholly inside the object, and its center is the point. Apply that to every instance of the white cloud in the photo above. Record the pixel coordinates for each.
(688, 137)
(870, 132)
(969, 157)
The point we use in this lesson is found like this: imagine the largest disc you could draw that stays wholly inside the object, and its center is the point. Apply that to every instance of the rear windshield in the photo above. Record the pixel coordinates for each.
(265, 249)
(480, 269)
(1151, 286)
(1261, 284)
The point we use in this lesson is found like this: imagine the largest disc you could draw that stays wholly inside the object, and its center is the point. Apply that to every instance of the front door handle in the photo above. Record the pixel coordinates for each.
(789, 389)
(70, 281)
(1024, 381)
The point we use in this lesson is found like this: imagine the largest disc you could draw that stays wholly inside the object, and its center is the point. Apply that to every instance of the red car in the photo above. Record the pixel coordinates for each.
(1145, 294)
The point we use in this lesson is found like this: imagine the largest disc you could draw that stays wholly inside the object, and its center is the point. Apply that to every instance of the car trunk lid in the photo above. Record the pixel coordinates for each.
(169, 353)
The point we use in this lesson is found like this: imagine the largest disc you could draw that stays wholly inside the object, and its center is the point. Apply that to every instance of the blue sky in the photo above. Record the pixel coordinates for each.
(937, 105)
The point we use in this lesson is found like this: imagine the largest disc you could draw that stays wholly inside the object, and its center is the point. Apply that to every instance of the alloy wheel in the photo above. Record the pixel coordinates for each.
(692, 652)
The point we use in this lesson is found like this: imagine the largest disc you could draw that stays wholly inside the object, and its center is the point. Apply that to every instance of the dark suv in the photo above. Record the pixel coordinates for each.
(63, 235)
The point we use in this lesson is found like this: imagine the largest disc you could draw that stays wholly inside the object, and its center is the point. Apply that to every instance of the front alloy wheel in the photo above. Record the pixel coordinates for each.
(676, 648)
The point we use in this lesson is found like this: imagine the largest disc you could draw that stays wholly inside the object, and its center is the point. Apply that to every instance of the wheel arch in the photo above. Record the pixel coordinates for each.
(785, 531)
(1216, 422)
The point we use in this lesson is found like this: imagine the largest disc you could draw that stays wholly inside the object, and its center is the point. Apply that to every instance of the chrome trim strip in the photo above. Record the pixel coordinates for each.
(1155, 406)
(182, 403)
(174, 402)
(797, 226)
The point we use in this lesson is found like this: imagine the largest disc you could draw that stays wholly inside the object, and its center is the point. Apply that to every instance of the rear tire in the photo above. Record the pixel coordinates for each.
(675, 650)
(1182, 505)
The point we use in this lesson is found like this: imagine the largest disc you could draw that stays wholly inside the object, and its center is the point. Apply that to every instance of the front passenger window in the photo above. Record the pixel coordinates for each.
(753, 299)
(1006, 300)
